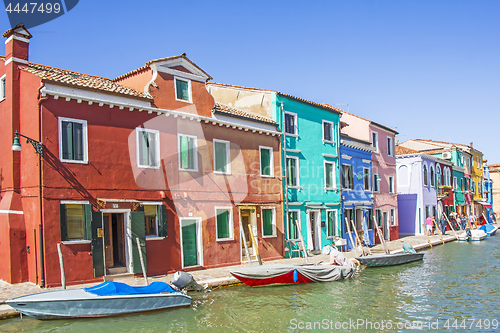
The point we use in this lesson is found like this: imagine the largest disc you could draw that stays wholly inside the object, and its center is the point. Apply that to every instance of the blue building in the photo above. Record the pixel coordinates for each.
(488, 194)
(356, 187)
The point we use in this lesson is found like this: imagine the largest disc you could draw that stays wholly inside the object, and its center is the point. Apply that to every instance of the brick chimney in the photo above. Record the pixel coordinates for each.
(471, 145)
(17, 44)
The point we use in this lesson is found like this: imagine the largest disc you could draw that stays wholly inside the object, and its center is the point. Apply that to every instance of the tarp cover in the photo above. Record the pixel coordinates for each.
(316, 273)
(119, 288)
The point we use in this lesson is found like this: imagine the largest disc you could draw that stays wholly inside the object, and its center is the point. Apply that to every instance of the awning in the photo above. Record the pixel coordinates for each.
(484, 203)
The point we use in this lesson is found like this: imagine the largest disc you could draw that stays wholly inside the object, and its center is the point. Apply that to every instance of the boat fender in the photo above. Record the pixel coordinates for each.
(295, 276)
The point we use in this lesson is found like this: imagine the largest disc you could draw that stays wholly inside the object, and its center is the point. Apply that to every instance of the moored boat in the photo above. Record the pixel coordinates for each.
(472, 235)
(291, 273)
(105, 299)
(489, 229)
(378, 260)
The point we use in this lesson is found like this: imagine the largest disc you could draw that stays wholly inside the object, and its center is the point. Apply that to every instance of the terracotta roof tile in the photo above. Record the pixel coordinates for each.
(231, 111)
(400, 150)
(66, 77)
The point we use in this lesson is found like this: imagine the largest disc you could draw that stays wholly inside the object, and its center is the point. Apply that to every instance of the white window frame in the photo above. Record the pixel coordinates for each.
(390, 146)
(334, 176)
(375, 142)
(76, 240)
(297, 176)
(275, 234)
(228, 156)
(455, 183)
(295, 127)
(2, 88)
(271, 161)
(336, 222)
(189, 89)
(439, 175)
(391, 185)
(157, 152)
(84, 139)
(392, 217)
(231, 224)
(323, 130)
(298, 221)
(365, 178)
(195, 151)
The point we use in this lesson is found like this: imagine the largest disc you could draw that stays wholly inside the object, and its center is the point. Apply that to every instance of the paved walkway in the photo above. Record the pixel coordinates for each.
(214, 277)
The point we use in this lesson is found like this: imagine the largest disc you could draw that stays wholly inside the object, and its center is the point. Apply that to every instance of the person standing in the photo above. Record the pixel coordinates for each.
(463, 221)
(443, 224)
(428, 224)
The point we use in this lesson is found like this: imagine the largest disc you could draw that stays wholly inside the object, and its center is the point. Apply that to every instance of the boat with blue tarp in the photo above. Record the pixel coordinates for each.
(106, 299)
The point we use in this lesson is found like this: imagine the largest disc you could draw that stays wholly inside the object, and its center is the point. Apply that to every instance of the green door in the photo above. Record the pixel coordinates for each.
(138, 226)
(97, 244)
(189, 243)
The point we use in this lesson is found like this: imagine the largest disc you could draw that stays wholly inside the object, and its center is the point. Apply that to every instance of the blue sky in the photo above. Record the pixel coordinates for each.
(430, 69)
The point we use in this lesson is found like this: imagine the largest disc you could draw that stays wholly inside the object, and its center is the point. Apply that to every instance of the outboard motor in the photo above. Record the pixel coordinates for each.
(468, 233)
(182, 280)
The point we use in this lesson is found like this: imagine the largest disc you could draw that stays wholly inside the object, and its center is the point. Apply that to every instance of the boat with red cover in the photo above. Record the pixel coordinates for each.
(291, 273)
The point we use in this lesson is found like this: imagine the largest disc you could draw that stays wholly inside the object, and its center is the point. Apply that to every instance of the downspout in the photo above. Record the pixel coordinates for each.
(40, 188)
(284, 153)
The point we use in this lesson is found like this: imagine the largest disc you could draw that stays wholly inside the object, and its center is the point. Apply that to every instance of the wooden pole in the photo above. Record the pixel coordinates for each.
(380, 236)
(451, 227)
(142, 260)
(255, 245)
(439, 230)
(302, 241)
(427, 234)
(242, 232)
(349, 232)
(357, 238)
(61, 265)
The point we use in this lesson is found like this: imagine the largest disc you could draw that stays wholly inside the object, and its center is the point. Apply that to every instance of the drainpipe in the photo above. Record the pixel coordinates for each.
(282, 105)
(40, 188)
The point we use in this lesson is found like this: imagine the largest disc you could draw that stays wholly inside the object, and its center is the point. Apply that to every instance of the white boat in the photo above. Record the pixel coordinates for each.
(472, 235)
(106, 299)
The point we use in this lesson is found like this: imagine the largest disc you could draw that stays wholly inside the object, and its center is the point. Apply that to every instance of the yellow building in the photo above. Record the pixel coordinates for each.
(478, 180)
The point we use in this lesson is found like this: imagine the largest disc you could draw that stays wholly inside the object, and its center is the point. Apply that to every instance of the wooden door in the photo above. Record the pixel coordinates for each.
(245, 222)
(108, 240)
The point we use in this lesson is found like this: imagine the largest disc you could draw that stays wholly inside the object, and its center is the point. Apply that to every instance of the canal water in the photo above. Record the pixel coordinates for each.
(454, 289)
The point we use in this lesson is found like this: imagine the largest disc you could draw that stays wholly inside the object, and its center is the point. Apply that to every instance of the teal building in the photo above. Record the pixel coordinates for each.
(310, 161)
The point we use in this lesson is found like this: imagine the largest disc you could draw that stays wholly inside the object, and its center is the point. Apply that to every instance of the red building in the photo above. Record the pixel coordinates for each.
(147, 156)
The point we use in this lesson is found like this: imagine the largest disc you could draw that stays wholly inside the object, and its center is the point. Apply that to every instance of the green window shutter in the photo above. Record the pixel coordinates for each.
(220, 157)
(267, 222)
(191, 152)
(162, 221)
(222, 223)
(292, 227)
(78, 141)
(291, 172)
(64, 227)
(67, 140)
(265, 162)
(184, 152)
(87, 215)
(182, 88)
(151, 149)
(330, 223)
(329, 175)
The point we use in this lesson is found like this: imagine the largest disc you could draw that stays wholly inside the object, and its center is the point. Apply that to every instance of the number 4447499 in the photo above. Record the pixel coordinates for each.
(34, 8)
